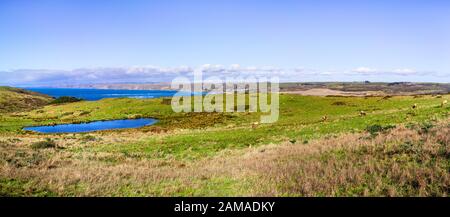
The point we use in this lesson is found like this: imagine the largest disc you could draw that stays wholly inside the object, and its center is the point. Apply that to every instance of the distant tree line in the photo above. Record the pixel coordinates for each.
(65, 99)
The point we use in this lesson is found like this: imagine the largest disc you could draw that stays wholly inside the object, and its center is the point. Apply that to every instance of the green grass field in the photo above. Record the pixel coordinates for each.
(227, 154)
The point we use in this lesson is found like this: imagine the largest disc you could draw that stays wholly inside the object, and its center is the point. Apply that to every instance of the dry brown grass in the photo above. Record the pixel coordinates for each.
(403, 162)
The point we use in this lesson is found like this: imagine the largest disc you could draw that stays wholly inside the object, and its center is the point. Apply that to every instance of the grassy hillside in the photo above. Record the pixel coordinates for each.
(16, 100)
(392, 150)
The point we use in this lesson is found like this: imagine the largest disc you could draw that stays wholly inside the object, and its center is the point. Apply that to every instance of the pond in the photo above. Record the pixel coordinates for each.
(93, 126)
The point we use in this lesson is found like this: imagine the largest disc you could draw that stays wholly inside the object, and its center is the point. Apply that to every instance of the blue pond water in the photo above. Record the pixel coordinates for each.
(97, 94)
(93, 126)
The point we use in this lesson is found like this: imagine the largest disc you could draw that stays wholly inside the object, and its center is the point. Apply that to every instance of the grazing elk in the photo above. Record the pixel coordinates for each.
(255, 124)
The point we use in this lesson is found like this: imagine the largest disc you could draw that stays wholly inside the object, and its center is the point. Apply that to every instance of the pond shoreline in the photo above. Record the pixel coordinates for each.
(92, 126)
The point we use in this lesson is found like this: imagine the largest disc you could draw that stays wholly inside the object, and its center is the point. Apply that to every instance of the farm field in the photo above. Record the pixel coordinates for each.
(320, 146)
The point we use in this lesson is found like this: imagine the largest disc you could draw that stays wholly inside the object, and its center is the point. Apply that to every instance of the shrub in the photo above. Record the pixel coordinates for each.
(84, 113)
(65, 99)
(376, 128)
(339, 103)
(166, 101)
(386, 97)
(48, 143)
(426, 127)
(67, 113)
(89, 138)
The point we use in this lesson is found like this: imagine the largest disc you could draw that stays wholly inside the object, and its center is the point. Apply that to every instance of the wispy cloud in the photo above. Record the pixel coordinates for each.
(91, 75)
(396, 72)
(364, 70)
(126, 74)
(146, 74)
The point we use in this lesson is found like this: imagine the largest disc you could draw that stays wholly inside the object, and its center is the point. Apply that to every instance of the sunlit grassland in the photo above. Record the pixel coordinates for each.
(168, 158)
(294, 110)
(300, 120)
(205, 134)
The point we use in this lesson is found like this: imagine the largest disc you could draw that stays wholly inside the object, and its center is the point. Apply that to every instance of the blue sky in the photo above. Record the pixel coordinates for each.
(384, 40)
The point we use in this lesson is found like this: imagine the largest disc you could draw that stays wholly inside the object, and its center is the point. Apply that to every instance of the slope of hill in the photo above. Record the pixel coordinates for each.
(391, 149)
(16, 99)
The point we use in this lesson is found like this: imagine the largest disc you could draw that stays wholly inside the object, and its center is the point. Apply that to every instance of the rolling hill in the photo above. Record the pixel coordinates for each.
(16, 99)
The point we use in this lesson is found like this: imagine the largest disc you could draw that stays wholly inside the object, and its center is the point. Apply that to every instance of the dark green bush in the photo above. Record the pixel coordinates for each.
(84, 113)
(65, 99)
(376, 128)
(339, 103)
(426, 127)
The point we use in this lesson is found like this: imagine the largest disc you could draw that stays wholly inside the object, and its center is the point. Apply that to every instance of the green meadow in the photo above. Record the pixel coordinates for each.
(233, 154)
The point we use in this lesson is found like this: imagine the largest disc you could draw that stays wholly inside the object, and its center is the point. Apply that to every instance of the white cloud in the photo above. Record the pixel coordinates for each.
(404, 71)
(398, 72)
(210, 68)
(151, 73)
(364, 70)
(126, 74)
(313, 72)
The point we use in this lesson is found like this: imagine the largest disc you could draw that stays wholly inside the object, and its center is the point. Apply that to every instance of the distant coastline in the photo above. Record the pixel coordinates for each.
(303, 88)
(92, 94)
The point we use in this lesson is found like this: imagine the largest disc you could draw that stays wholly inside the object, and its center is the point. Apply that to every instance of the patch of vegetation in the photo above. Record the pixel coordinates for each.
(17, 188)
(89, 138)
(65, 99)
(426, 127)
(84, 113)
(386, 97)
(339, 103)
(22, 158)
(400, 166)
(67, 113)
(376, 129)
(166, 101)
(48, 143)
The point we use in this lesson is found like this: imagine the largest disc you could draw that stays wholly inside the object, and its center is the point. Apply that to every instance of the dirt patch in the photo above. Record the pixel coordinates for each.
(329, 92)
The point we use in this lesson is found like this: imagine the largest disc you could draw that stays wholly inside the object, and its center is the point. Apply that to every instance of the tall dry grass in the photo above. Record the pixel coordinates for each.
(401, 162)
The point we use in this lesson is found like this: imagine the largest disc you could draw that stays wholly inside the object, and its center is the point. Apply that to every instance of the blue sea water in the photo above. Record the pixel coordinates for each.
(97, 94)
(93, 126)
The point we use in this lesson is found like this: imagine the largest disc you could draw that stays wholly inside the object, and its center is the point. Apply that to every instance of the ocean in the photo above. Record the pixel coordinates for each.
(97, 94)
